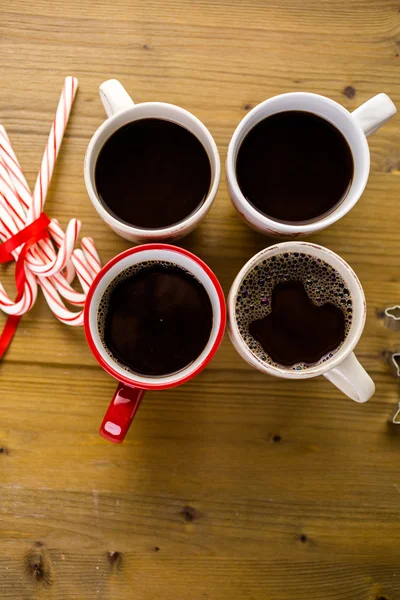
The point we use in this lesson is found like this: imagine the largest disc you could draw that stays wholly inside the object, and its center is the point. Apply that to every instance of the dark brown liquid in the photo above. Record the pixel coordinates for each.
(296, 330)
(152, 173)
(294, 166)
(158, 320)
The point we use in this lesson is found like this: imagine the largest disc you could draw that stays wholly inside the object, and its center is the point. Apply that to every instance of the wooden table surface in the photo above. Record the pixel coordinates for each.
(235, 486)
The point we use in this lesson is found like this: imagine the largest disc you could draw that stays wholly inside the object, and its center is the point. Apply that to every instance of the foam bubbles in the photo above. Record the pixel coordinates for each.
(321, 281)
(105, 299)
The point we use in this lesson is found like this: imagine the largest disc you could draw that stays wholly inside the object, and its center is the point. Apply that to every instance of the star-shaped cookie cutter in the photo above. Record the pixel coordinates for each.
(396, 417)
(392, 321)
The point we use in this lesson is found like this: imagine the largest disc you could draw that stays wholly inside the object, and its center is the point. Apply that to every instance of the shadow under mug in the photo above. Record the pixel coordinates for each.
(343, 368)
(355, 126)
(132, 385)
(121, 110)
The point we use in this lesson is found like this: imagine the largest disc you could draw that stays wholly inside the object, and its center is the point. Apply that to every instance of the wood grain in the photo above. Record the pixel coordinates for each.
(234, 486)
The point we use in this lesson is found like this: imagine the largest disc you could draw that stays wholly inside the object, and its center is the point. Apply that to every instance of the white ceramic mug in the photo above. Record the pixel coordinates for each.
(121, 110)
(343, 368)
(354, 126)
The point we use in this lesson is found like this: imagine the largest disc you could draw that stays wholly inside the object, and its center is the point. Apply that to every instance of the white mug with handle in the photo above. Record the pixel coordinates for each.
(342, 369)
(355, 127)
(121, 110)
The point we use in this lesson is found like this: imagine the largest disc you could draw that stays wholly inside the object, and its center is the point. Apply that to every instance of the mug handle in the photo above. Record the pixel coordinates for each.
(120, 413)
(374, 113)
(352, 379)
(114, 97)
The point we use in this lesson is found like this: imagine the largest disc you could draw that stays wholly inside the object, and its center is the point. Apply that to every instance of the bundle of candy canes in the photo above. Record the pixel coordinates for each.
(44, 254)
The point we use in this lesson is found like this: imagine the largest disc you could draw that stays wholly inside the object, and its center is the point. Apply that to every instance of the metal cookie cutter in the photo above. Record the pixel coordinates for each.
(396, 418)
(392, 321)
(392, 318)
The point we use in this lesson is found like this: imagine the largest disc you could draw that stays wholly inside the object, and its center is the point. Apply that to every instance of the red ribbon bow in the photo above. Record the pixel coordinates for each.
(28, 237)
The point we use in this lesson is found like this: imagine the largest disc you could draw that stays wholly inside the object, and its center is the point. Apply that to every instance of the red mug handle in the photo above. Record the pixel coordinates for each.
(120, 413)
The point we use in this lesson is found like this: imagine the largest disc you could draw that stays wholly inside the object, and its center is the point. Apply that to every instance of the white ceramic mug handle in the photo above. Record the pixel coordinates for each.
(374, 113)
(352, 379)
(114, 97)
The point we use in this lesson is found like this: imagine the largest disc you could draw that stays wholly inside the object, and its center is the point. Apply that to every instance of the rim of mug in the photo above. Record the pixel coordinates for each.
(192, 219)
(183, 375)
(287, 228)
(350, 341)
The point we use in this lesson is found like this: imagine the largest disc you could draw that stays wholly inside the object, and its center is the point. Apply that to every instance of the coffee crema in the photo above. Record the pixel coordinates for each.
(155, 318)
(293, 310)
(294, 166)
(152, 173)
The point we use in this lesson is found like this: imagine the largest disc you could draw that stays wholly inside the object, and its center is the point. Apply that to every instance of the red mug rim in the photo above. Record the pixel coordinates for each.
(129, 380)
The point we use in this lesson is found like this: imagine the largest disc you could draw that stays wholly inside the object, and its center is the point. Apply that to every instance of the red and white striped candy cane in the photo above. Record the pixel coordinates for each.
(18, 208)
(14, 169)
(52, 148)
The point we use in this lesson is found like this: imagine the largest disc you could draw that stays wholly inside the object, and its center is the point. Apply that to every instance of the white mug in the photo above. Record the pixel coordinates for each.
(121, 110)
(354, 126)
(343, 368)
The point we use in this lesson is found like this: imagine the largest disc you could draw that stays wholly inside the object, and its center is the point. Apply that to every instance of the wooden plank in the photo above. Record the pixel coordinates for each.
(236, 485)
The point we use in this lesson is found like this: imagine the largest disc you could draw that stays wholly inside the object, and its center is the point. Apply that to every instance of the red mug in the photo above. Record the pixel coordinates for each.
(132, 385)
